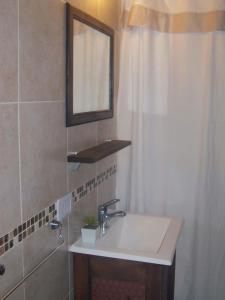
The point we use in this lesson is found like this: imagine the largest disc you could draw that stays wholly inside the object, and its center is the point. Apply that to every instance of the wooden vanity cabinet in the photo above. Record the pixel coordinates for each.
(102, 278)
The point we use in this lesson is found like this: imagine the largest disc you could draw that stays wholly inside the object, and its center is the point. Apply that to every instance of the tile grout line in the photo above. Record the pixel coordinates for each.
(9, 103)
(29, 102)
(18, 91)
(41, 101)
(19, 148)
(67, 150)
(97, 165)
(19, 124)
(30, 274)
(67, 189)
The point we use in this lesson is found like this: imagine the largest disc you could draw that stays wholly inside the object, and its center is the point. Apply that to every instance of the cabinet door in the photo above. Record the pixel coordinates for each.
(105, 289)
(102, 278)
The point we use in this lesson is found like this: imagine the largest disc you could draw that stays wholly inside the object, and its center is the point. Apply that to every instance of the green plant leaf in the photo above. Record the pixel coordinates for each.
(90, 220)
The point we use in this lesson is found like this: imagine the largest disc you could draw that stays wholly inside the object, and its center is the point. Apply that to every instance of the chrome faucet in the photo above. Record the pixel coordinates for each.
(104, 216)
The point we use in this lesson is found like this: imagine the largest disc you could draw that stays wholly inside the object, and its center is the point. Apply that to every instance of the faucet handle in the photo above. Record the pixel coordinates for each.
(109, 203)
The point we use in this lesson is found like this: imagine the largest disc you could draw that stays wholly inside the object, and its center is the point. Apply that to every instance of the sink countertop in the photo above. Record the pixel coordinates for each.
(142, 238)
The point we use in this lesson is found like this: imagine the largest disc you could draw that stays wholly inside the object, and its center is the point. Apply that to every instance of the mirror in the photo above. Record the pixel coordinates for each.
(89, 69)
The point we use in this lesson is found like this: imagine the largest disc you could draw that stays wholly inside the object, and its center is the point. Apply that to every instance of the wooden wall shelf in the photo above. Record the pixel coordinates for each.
(94, 154)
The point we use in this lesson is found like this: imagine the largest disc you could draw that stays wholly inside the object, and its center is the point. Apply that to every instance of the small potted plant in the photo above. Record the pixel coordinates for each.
(89, 231)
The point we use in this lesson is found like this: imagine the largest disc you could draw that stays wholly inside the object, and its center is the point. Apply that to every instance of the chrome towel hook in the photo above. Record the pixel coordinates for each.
(56, 225)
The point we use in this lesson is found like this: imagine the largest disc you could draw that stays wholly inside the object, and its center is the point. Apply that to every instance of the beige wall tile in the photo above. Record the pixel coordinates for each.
(86, 206)
(12, 260)
(43, 155)
(8, 51)
(82, 136)
(108, 12)
(51, 280)
(107, 130)
(34, 251)
(88, 6)
(79, 138)
(42, 53)
(107, 189)
(81, 176)
(18, 294)
(9, 166)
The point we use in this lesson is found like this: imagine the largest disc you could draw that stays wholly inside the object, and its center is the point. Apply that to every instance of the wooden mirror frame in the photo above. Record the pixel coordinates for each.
(81, 118)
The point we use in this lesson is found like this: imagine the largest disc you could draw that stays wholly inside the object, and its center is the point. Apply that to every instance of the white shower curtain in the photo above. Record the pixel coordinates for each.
(172, 106)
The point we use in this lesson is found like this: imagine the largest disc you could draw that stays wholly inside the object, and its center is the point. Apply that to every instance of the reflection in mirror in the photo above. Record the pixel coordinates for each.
(91, 69)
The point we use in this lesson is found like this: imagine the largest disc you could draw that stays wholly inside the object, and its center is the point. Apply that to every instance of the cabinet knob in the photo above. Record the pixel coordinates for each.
(2, 270)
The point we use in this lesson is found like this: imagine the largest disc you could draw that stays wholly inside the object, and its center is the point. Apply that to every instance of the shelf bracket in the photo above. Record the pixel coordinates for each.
(73, 166)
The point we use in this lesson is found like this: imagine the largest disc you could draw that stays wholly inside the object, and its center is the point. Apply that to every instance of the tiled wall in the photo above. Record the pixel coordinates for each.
(34, 142)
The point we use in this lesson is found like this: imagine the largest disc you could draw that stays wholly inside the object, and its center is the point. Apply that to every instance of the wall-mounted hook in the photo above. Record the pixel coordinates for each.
(56, 225)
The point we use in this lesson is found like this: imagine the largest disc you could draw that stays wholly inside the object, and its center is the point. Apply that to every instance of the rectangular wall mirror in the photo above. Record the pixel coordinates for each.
(89, 74)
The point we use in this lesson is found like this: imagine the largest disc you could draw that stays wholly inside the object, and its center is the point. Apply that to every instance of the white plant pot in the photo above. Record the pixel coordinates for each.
(89, 234)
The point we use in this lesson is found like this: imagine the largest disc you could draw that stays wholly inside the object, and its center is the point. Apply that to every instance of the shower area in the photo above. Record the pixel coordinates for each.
(171, 104)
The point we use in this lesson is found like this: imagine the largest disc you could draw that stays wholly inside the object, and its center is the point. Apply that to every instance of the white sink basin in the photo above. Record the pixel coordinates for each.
(137, 233)
(136, 237)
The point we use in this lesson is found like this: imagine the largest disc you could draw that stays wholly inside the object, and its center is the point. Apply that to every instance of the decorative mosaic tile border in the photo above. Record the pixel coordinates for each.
(23, 231)
(83, 190)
